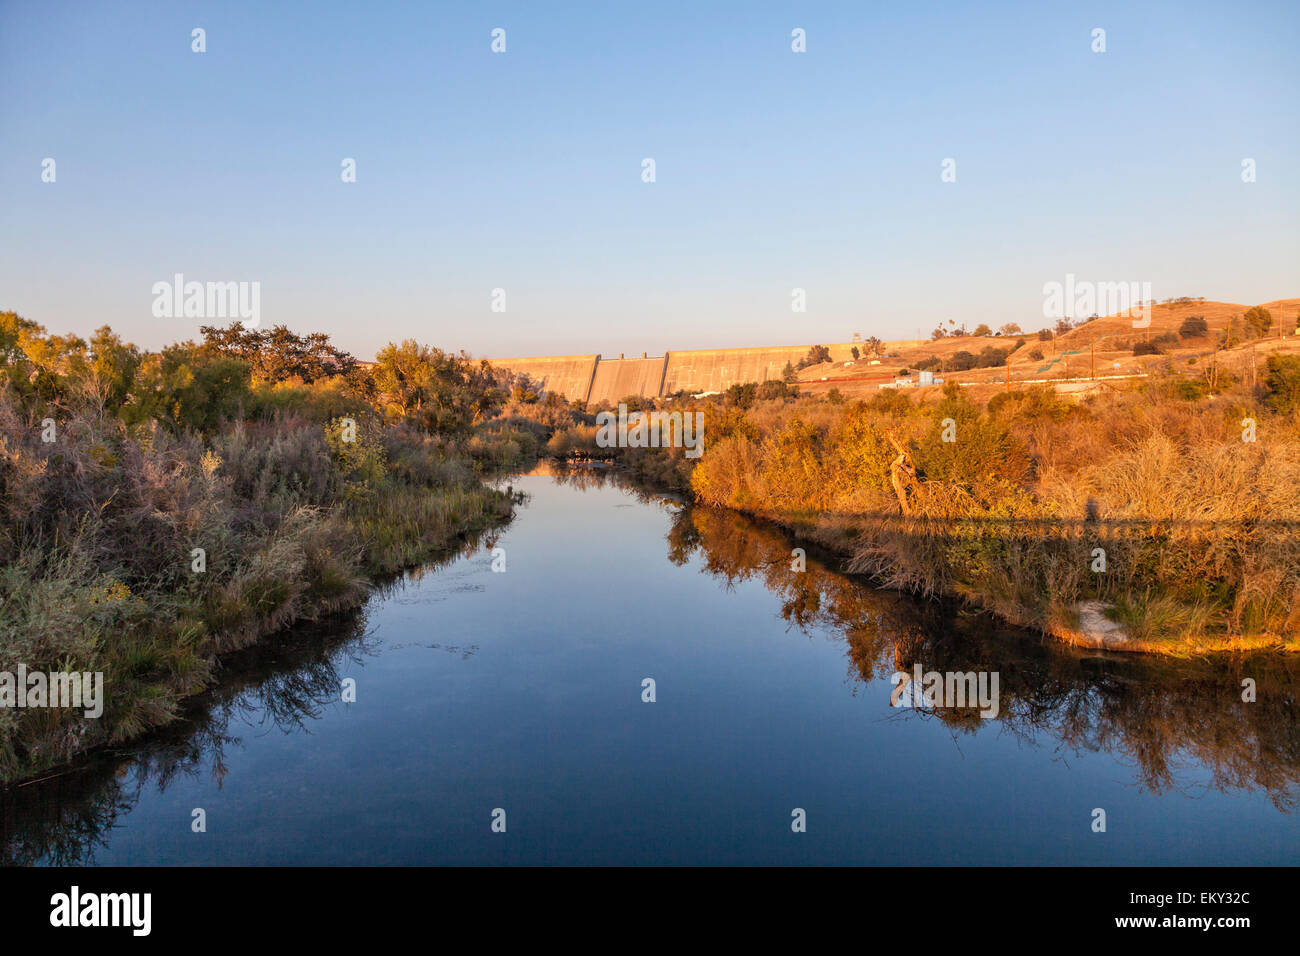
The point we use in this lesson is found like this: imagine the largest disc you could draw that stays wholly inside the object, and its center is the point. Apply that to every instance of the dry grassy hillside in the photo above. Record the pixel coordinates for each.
(1102, 347)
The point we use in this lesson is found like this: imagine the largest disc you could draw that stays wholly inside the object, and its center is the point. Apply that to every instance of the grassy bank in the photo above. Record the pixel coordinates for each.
(158, 510)
(1171, 508)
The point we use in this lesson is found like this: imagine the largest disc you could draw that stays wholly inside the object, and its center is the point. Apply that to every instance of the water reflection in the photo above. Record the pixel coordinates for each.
(63, 818)
(1176, 724)
(1159, 715)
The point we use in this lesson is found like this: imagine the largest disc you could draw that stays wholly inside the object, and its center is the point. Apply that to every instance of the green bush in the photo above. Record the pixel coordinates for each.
(1282, 383)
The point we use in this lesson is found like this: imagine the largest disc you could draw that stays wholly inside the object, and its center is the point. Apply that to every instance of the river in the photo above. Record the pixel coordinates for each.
(515, 695)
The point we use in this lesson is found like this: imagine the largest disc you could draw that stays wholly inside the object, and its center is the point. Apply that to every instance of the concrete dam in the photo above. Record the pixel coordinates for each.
(601, 381)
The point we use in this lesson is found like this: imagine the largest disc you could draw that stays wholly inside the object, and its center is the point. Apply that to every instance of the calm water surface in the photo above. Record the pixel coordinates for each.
(522, 690)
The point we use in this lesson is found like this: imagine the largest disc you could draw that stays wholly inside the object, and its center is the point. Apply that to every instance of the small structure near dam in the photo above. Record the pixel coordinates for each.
(601, 381)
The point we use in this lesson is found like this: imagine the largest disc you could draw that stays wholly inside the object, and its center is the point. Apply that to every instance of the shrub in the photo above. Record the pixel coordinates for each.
(1191, 390)
(961, 361)
(742, 395)
(991, 357)
(1282, 383)
(983, 455)
(1037, 403)
(862, 453)
(773, 388)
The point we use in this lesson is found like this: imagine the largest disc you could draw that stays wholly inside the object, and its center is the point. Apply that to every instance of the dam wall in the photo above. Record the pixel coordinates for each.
(619, 378)
(716, 370)
(567, 375)
(601, 381)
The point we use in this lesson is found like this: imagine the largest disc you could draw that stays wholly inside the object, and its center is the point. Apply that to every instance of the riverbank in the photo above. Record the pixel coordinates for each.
(160, 510)
(1140, 520)
(158, 641)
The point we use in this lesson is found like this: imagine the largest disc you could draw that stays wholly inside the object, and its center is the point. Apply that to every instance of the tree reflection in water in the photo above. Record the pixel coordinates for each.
(1161, 716)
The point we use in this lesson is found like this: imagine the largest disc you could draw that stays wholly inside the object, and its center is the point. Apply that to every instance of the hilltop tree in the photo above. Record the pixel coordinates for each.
(816, 356)
(1259, 319)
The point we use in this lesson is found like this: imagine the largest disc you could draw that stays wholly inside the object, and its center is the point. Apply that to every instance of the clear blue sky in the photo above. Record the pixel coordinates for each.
(522, 170)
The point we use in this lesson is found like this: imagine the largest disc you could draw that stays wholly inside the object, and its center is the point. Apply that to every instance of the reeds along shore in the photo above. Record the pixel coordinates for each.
(1172, 508)
(160, 509)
